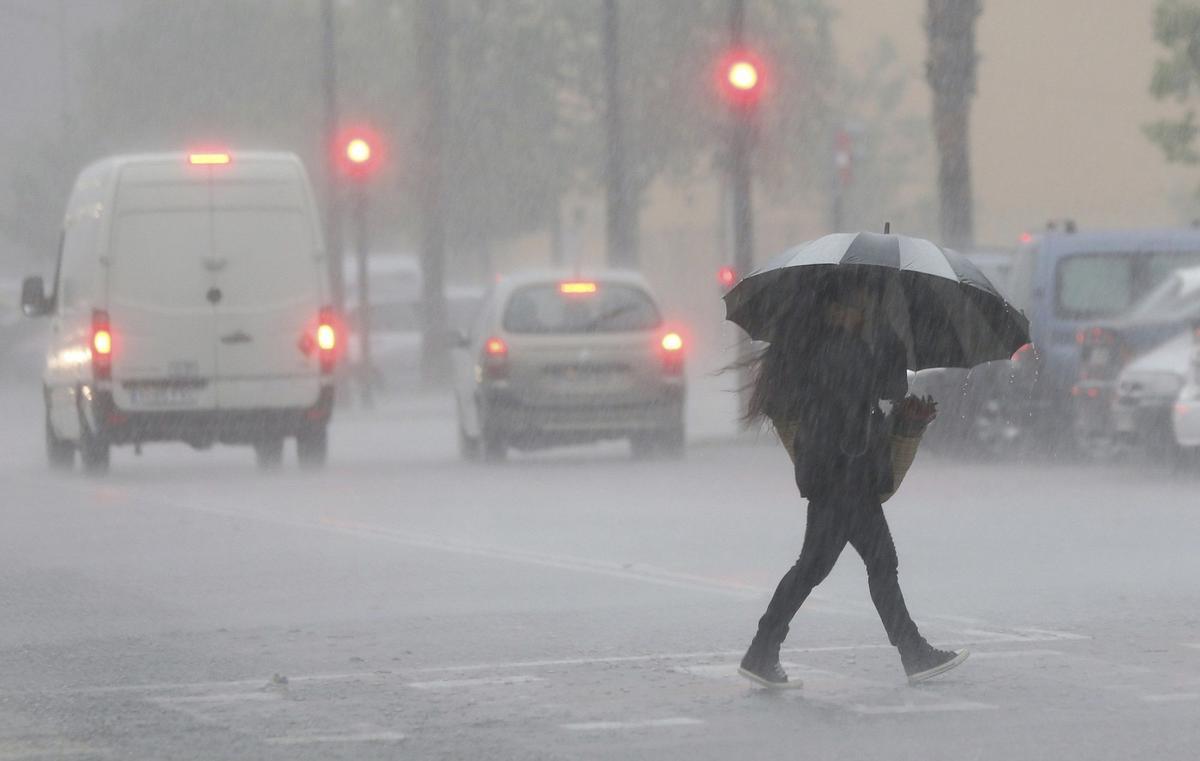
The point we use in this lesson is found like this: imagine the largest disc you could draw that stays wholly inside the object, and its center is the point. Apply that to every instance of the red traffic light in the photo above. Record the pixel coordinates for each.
(740, 77)
(357, 152)
(727, 277)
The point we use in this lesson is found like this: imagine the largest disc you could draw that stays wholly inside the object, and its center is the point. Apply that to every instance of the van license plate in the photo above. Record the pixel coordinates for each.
(164, 396)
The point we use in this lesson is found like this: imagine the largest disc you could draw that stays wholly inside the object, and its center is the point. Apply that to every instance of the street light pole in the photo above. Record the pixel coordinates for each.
(333, 210)
(361, 249)
(740, 181)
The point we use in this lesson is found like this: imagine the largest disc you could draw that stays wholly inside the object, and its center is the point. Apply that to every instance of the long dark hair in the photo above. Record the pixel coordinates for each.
(781, 373)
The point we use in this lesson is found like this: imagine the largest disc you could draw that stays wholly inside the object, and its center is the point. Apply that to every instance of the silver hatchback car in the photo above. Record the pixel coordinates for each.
(553, 359)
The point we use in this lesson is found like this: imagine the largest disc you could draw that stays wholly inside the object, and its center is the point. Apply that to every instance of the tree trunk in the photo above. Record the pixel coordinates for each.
(622, 221)
(432, 65)
(950, 71)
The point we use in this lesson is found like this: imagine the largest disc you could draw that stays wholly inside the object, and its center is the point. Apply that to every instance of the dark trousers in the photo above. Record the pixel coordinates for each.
(832, 522)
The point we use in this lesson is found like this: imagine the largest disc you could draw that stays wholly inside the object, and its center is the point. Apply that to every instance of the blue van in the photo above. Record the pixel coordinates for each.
(1064, 281)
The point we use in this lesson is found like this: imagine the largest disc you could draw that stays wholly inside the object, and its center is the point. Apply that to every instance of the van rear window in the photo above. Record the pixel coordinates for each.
(610, 309)
(1089, 286)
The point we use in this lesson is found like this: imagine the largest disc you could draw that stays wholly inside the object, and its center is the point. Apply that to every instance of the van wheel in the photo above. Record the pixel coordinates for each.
(93, 453)
(468, 448)
(312, 447)
(268, 453)
(495, 448)
(60, 455)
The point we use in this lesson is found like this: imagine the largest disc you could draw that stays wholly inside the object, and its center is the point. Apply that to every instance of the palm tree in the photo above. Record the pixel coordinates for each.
(950, 71)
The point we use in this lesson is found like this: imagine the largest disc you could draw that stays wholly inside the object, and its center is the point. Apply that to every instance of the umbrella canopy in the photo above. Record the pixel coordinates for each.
(940, 304)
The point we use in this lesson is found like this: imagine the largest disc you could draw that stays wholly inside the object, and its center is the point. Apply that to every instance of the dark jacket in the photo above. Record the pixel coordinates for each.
(842, 442)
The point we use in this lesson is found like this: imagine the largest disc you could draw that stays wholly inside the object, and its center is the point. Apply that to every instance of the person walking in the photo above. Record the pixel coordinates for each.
(820, 386)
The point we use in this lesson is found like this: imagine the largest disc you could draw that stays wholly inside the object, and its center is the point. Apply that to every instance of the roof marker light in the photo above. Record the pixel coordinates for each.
(577, 288)
(208, 159)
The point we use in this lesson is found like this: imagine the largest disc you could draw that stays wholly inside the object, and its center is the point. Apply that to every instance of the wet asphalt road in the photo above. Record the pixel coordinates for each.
(576, 605)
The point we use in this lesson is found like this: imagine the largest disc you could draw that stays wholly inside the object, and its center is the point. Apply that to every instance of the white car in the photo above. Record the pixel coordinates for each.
(190, 303)
(557, 359)
(1147, 390)
(1185, 417)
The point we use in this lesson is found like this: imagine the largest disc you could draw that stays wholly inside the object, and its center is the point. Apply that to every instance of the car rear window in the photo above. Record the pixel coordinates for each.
(1105, 285)
(610, 309)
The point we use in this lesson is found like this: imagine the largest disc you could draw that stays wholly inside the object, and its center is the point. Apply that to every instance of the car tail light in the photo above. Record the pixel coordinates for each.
(672, 353)
(577, 288)
(102, 345)
(327, 339)
(209, 159)
(1102, 354)
(495, 358)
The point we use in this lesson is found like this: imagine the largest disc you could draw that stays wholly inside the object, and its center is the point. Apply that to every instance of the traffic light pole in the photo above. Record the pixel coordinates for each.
(333, 211)
(740, 180)
(365, 366)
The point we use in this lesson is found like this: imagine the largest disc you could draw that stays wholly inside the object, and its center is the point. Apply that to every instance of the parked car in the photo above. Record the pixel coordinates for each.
(555, 359)
(1067, 281)
(1147, 391)
(1107, 347)
(190, 303)
(1185, 416)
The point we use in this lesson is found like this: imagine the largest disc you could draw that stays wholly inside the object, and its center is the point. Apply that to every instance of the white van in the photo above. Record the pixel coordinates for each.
(190, 303)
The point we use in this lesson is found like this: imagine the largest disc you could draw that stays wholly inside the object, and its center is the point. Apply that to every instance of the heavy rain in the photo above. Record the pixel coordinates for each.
(580, 379)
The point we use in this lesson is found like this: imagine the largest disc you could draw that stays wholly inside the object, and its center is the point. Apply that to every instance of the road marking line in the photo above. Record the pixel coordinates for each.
(880, 710)
(1031, 653)
(16, 750)
(448, 684)
(1193, 645)
(1174, 697)
(494, 666)
(594, 726)
(229, 697)
(1051, 633)
(362, 737)
(729, 671)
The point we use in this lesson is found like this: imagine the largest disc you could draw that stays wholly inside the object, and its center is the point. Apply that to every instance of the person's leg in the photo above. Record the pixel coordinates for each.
(870, 536)
(824, 538)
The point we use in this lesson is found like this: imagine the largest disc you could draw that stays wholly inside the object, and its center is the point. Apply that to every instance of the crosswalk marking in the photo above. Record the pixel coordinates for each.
(1173, 697)
(595, 726)
(960, 705)
(361, 737)
(447, 684)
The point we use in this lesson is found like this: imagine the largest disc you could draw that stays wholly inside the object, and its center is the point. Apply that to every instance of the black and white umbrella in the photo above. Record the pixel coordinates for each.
(936, 300)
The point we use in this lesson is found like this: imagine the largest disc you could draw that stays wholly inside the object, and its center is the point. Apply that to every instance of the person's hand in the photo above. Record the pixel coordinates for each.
(913, 413)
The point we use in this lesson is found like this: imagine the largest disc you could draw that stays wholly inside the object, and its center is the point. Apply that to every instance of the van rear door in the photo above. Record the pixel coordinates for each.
(269, 276)
(161, 320)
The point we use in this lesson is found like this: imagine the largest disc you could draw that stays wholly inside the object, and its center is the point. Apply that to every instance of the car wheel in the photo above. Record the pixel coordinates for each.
(495, 448)
(94, 453)
(312, 447)
(268, 453)
(672, 442)
(60, 455)
(641, 446)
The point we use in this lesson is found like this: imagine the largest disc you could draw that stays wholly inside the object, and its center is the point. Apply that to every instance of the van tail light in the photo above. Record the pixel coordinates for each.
(1102, 354)
(327, 339)
(671, 345)
(494, 362)
(102, 345)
